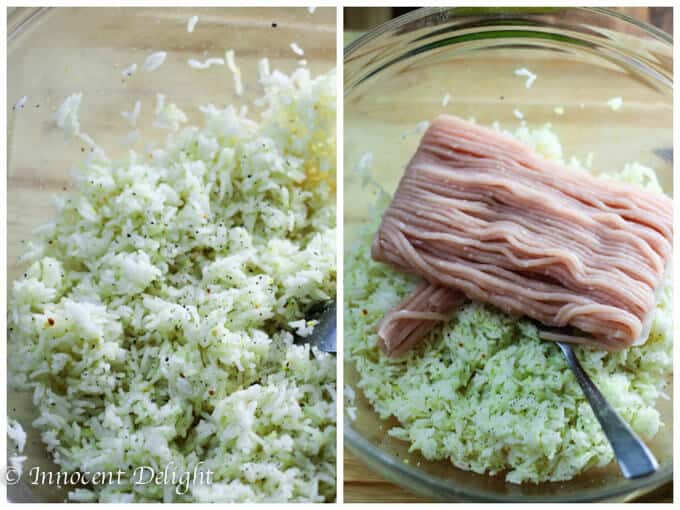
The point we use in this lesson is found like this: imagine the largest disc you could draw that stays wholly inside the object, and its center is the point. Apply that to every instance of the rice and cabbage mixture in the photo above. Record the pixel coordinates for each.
(155, 321)
(482, 390)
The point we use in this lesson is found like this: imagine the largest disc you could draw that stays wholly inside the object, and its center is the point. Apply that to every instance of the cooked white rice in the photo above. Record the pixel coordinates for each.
(235, 70)
(154, 61)
(130, 70)
(525, 73)
(68, 115)
(168, 116)
(152, 323)
(263, 69)
(197, 64)
(483, 391)
(296, 49)
(615, 103)
(303, 328)
(191, 23)
(133, 114)
(419, 129)
(17, 434)
(20, 104)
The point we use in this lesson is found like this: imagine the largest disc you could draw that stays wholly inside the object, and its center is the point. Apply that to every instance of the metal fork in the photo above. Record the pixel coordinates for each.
(633, 456)
(324, 334)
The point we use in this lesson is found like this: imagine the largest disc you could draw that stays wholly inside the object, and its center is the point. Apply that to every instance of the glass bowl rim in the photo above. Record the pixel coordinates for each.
(21, 18)
(426, 484)
(427, 11)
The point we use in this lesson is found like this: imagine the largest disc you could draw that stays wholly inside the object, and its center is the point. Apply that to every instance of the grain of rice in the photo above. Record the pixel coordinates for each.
(132, 116)
(67, 115)
(350, 404)
(615, 103)
(154, 61)
(589, 159)
(231, 64)
(296, 49)
(197, 64)
(191, 24)
(363, 166)
(302, 327)
(20, 103)
(419, 129)
(167, 116)
(87, 139)
(17, 463)
(130, 70)
(531, 77)
(17, 434)
(160, 103)
(263, 68)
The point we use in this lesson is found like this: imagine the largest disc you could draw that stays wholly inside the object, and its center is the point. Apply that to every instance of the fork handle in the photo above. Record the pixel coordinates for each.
(633, 456)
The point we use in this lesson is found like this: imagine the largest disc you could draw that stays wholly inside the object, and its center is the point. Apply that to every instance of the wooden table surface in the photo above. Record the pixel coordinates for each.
(360, 483)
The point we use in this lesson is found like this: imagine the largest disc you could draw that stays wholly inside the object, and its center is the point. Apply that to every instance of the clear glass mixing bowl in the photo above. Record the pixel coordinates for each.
(55, 52)
(398, 74)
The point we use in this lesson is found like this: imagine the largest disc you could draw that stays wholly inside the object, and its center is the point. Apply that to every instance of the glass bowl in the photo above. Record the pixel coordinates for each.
(398, 75)
(55, 52)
